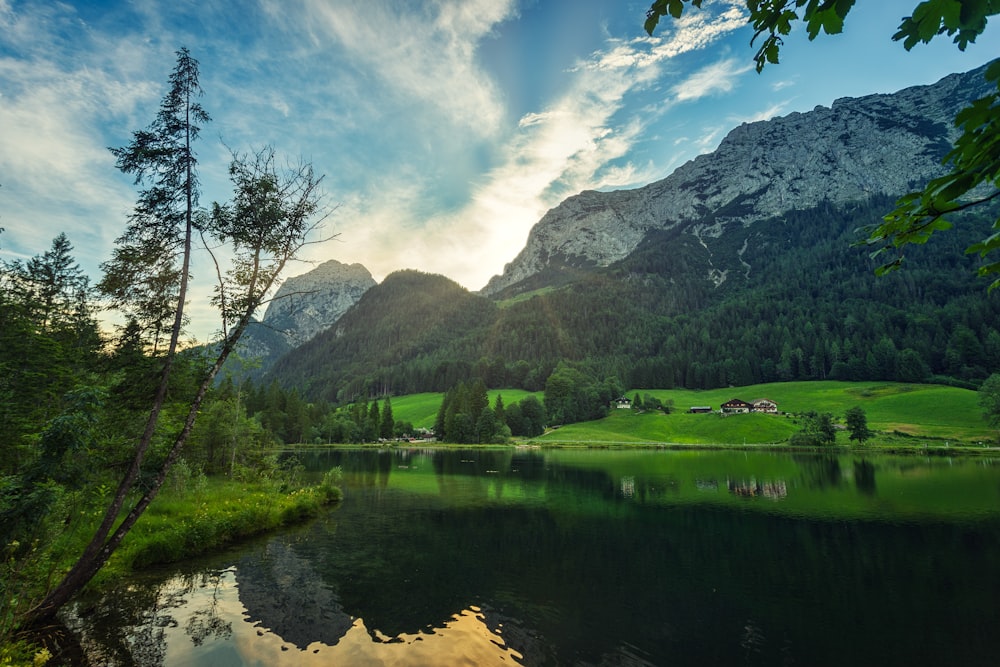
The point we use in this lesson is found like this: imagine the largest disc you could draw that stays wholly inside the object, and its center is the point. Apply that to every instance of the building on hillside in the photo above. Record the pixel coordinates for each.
(700, 409)
(622, 403)
(764, 405)
(735, 407)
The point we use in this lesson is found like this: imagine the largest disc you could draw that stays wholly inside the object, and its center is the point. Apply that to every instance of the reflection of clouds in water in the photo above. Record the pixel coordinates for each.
(276, 611)
(465, 639)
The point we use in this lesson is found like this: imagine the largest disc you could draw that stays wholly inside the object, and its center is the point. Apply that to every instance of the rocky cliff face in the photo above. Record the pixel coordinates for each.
(302, 307)
(859, 147)
(307, 304)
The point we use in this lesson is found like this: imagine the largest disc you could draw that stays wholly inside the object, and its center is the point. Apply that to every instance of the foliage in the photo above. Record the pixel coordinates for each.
(571, 396)
(49, 341)
(974, 178)
(989, 400)
(526, 418)
(817, 430)
(465, 416)
(857, 424)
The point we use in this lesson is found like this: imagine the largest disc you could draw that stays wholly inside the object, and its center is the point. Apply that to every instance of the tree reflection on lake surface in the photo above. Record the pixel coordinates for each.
(576, 557)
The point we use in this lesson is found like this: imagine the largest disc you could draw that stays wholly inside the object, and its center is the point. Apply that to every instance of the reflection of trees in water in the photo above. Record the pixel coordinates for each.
(820, 471)
(676, 583)
(205, 623)
(752, 488)
(864, 477)
(128, 627)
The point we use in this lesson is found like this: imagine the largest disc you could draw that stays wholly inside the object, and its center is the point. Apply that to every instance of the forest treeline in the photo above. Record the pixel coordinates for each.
(790, 298)
(72, 400)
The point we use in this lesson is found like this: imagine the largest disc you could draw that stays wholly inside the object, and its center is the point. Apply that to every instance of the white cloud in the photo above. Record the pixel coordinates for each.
(421, 53)
(576, 142)
(711, 80)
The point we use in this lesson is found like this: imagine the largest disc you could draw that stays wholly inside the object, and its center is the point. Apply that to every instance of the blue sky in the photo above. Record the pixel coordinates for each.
(444, 129)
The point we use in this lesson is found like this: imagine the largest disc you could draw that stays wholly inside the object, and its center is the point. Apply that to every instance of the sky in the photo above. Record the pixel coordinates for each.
(444, 130)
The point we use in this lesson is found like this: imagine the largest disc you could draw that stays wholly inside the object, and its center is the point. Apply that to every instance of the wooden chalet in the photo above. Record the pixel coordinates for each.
(764, 405)
(736, 406)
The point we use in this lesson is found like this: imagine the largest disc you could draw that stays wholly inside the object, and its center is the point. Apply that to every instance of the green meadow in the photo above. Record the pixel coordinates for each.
(898, 413)
(421, 409)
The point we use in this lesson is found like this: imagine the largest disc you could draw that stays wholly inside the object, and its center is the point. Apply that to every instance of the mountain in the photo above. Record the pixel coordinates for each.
(736, 269)
(303, 306)
(409, 315)
(307, 304)
(852, 151)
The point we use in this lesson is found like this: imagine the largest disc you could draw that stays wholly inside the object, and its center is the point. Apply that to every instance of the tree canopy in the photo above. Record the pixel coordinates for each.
(974, 178)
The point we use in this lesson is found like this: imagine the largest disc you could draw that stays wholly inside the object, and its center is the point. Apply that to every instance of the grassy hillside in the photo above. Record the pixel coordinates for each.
(930, 411)
(421, 409)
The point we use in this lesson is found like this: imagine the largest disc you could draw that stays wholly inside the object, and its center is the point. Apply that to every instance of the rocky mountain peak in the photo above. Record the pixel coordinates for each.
(306, 304)
(886, 144)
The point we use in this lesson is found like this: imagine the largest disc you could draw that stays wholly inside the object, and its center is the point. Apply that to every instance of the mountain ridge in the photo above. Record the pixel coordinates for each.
(827, 154)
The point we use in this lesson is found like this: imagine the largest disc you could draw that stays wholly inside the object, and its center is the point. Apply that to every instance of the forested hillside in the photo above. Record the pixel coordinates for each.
(789, 298)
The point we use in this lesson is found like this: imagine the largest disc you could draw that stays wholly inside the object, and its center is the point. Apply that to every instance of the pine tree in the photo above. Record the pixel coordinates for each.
(388, 425)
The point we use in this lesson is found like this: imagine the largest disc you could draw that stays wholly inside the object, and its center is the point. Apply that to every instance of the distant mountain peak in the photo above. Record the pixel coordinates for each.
(307, 304)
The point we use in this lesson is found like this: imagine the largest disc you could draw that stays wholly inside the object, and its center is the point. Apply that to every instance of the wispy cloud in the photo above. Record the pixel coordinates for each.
(420, 53)
(714, 79)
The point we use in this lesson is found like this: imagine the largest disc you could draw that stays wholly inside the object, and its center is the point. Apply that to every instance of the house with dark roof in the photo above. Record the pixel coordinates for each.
(735, 406)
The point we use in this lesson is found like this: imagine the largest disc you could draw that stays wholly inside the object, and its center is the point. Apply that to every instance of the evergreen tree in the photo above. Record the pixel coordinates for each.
(388, 424)
(486, 426)
(373, 423)
(499, 413)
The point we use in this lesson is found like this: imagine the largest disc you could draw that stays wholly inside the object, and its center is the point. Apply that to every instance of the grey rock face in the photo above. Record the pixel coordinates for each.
(859, 147)
(307, 304)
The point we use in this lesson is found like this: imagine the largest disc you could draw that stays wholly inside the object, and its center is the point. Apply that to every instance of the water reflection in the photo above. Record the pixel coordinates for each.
(775, 490)
(198, 629)
(588, 558)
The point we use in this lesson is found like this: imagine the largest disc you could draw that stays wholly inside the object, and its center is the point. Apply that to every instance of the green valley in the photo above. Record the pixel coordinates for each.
(899, 413)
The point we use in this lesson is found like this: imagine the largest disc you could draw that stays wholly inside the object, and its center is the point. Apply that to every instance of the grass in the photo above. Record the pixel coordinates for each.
(421, 409)
(927, 411)
(895, 410)
(628, 427)
(181, 525)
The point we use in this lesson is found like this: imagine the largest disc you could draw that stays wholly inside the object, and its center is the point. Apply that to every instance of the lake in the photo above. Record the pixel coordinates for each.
(592, 557)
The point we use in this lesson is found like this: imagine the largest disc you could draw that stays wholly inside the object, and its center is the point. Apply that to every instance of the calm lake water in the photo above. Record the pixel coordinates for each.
(583, 557)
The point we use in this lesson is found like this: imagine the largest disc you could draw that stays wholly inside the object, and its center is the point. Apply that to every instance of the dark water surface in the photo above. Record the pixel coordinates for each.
(569, 557)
